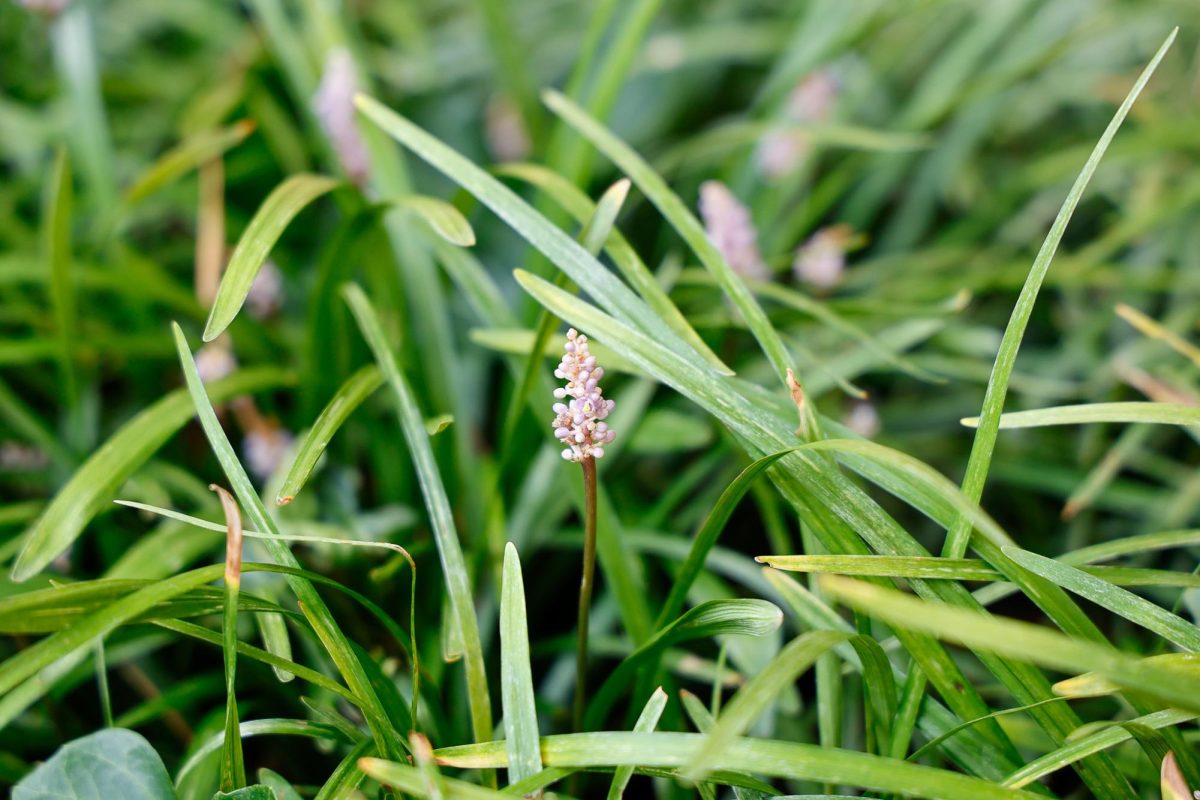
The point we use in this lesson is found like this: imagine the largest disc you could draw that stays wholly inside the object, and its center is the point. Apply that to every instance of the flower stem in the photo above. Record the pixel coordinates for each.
(585, 588)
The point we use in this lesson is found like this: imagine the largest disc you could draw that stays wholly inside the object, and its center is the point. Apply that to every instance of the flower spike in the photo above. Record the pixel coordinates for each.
(579, 423)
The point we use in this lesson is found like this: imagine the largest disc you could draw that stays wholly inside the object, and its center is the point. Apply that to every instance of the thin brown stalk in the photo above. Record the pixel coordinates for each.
(585, 588)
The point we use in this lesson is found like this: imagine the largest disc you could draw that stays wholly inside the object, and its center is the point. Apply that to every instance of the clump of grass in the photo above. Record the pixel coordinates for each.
(801, 215)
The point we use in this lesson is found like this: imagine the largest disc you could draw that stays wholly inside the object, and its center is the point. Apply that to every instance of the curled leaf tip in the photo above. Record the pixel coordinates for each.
(233, 535)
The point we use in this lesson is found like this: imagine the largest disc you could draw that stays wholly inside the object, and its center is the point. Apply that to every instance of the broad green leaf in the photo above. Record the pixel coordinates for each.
(1117, 600)
(112, 763)
(1160, 413)
(280, 207)
(350, 395)
(313, 607)
(1027, 642)
(516, 679)
(680, 218)
(92, 486)
(185, 157)
(647, 721)
(454, 566)
(713, 618)
(445, 220)
(757, 756)
(997, 388)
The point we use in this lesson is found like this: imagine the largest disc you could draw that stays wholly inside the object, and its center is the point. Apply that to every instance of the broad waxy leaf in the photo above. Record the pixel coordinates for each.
(112, 763)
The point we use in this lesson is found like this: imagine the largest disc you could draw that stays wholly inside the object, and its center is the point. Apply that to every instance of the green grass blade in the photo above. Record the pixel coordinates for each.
(233, 767)
(762, 691)
(647, 721)
(984, 444)
(445, 220)
(1117, 600)
(708, 534)
(454, 566)
(595, 230)
(556, 245)
(847, 516)
(1084, 746)
(258, 727)
(681, 219)
(56, 244)
(1158, 413)
(929, 568)
(185, 157)
(576, 203)
(703, 719)
(273, 629)
(1021, 640)
(91, 488)
(535, 783)
(412, 781)
(959, 569)
(713, 618)
(757, 756)
(357, 388)
(346, 776)
(278, 784)
(280, 207)
(87, 630)
(516, 679)
(314, 608)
